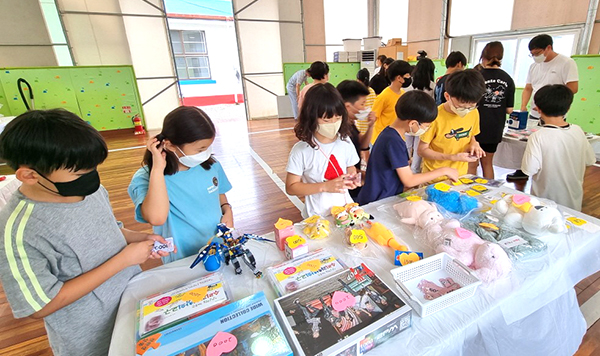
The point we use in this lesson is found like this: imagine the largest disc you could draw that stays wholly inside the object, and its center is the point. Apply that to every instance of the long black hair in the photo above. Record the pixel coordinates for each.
(423, 74)
(321, 100)
(186, 124)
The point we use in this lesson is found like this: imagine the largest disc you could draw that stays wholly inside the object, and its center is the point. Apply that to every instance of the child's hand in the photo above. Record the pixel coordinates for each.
(159, 156)
(336, 185)
(475, 150)
(353, 181)
(450, 173)
(227, 217)
(371, 118)
(137, 252)
(159, 254)
(464, 157)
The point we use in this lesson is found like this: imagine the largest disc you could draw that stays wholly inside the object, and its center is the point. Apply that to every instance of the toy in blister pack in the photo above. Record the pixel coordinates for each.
(229, 250)
(316, 228)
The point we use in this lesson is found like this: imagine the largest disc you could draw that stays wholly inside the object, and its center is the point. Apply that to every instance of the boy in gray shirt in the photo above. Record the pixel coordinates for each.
(64, 257)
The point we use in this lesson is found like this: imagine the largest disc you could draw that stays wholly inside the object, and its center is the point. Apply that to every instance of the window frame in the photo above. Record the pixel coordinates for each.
(185, 55)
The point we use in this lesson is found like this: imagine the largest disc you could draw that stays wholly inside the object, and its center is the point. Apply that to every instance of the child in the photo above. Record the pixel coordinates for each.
(557, 154)
(321, 165)
(355, 95)
(64, 257)
(362, 123)
(455, 61)
(319, 72)
(399, 75)
(450, 141)
(181, 189)
(380, 80)
(388, 171)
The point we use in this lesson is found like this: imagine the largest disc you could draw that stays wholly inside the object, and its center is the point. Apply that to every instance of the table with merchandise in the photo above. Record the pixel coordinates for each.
(378, 285)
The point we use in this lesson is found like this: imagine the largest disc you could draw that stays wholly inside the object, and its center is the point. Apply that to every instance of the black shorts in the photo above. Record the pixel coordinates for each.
(489, 147)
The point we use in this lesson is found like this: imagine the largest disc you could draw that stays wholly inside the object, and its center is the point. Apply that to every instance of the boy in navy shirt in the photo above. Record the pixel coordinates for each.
(388, 170)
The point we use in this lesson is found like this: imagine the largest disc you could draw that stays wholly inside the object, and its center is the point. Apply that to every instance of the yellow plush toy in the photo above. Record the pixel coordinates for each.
(316, 228)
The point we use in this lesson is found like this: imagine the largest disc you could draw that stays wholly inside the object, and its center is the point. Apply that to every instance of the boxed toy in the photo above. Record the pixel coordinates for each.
(305, 270)
(347, 314)
(244, 328)
(163, 310)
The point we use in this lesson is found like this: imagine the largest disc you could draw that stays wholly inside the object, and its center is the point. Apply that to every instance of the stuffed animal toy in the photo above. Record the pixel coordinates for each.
(523, 211)
(341, 216)
(452, 201)
(419, 213)
(491, 262)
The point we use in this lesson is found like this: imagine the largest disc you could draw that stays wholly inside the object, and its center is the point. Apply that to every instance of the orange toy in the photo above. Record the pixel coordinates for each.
(383, 236)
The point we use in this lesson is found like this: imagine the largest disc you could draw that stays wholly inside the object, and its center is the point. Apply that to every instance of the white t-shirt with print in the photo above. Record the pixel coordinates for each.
(560, 70)
(312, 165)
(556, 158)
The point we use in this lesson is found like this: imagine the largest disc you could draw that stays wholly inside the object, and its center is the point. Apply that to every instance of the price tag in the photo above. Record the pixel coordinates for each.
(479, 188)
(312, 265)
(413, 198)
(512, 241)
(342, 300)
(489, 226)
(457, 183)
(481, 181)
(472, 193)
(466, 180)
(313, 219)
(442, 186)
(295, 241)
(358, 237)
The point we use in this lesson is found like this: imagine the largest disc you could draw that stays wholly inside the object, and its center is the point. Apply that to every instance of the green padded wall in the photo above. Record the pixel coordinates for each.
(105, 96)
(337, 71)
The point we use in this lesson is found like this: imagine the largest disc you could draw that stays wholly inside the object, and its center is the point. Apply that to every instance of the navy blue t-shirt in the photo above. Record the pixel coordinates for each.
(388, 154)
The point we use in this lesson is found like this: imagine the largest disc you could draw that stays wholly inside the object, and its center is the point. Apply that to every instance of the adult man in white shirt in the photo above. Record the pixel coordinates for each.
(549, 67)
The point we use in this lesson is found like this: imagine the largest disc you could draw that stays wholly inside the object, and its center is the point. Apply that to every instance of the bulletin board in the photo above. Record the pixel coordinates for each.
(106, 97)
(337, 71)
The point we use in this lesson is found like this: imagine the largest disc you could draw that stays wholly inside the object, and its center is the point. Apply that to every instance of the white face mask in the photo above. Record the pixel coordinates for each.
(462, 112)
(419, 132)
(329, 130)
(539, 59)
(362, 114)
(194, 160)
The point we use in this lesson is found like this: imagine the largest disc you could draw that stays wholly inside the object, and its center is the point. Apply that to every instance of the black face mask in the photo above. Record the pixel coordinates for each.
(407, 82)
(83, 186)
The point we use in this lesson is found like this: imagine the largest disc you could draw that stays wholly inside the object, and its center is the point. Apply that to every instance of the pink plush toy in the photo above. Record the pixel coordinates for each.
(419, 213)
(491, 262)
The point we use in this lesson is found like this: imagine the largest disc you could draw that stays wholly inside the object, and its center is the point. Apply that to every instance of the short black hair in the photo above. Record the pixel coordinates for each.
(363, 76)
(381, 58)
(318, 70)
(416, 105)
(47, 140)
(454, 58)
(540, 42)
(554, 100)
(351, 90)
(398, 68)
(321, 100)
(468, 86)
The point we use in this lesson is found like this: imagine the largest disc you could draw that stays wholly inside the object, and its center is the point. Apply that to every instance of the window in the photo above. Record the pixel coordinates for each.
(470, 17)
(516, 59)
(344, 19)
(191, 54)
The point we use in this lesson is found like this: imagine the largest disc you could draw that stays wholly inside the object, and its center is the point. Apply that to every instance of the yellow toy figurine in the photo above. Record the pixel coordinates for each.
(356, 212)
(383, 236)
(316, 228)
(341, 216)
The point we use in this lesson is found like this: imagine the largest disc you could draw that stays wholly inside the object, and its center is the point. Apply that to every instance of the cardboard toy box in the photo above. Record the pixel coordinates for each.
(163, 310)
(347, 314)
(243, 328)
(396, 52)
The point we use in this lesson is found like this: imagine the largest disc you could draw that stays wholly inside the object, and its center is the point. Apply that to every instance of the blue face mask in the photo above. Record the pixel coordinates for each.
(83, 186)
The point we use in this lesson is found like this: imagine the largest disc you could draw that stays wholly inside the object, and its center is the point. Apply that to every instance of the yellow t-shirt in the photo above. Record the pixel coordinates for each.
(363, 125)
(451, 134)
(384, 108)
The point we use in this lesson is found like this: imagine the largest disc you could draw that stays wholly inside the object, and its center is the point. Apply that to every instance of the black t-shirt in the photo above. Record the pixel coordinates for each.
(440, 89)
(499, 95)
(378, 83)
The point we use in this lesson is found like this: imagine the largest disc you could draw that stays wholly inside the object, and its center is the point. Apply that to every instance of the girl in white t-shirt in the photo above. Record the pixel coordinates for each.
(321, 165)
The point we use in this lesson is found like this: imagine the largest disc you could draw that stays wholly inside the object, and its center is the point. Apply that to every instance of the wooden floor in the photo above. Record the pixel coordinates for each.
(257, 203)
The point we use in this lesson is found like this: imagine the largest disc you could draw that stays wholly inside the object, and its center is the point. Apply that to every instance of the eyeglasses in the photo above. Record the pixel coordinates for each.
(531, 55)
(461, 107)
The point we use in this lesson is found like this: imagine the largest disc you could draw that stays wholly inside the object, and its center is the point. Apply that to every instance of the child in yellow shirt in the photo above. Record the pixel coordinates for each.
(450, 140)
(385, 104)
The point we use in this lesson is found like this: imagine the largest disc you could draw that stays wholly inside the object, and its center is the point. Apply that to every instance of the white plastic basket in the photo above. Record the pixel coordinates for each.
(352, 44)
(442, 263)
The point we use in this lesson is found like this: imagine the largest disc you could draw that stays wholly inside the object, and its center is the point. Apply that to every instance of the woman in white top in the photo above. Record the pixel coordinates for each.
(422, 79)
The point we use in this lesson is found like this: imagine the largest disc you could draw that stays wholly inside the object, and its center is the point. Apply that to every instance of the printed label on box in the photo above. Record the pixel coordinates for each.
(512, 241)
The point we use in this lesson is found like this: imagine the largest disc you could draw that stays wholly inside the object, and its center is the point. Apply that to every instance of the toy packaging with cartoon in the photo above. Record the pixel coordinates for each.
(245, 328)
(348, 313)
(163, 310)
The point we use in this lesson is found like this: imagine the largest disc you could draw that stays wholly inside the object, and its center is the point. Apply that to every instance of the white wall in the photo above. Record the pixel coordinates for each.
(222, 54)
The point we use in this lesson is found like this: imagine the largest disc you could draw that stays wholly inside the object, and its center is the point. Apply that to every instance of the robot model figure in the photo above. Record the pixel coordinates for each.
(228, 251)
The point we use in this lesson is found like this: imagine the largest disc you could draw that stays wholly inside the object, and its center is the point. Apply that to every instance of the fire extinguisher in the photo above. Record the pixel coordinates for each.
(138, 127)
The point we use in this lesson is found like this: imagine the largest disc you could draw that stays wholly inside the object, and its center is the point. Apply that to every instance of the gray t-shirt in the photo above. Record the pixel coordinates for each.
(47, 244)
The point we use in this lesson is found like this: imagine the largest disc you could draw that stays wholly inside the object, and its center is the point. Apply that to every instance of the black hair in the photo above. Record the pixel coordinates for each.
(321, 100)
(540, 42)
(351, 90)
(454, 58)
(382, 71)
(318, 70)
(554, 100)
(398, 68)
(185, 124)
(381, 58)
(423, 74)
(468, 86)
(416, 105)
(47, 140)
(363, 76)
(493, 52)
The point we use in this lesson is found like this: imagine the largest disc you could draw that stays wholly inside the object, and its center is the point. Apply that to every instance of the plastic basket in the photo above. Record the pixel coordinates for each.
(460, 273)
(352, 44)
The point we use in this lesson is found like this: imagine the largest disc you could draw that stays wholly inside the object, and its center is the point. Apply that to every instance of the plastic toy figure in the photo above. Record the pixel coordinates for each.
(357, 213)
(229, 251)
(341, 217)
